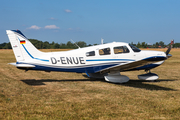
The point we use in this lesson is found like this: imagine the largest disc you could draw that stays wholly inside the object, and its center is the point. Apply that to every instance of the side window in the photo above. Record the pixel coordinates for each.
(121, 49)
(91, 53)
(126, 50)
(105, 51)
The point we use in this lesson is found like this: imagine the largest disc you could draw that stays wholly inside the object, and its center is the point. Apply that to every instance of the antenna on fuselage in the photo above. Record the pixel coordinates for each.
(102, 41)
(75, 43)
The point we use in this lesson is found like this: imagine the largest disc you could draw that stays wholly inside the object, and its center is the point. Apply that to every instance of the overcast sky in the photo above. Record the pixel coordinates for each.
(128, 21)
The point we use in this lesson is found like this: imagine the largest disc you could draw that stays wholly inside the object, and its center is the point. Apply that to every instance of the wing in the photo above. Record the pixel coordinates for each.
(132, 64)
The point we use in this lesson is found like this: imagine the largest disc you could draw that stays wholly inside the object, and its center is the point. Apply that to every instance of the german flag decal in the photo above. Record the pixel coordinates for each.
(23, 42)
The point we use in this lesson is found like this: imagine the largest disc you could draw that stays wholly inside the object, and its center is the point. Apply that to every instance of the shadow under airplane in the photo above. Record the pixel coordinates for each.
(144, 84)
(132, 83)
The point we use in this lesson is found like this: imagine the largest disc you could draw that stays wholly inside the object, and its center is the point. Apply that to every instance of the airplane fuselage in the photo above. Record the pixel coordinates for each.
(90, 60)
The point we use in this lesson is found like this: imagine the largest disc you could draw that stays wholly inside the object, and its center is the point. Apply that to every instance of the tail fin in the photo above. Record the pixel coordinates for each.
(22, 47)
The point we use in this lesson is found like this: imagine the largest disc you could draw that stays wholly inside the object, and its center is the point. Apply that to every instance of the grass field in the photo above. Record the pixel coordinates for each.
(60, 95)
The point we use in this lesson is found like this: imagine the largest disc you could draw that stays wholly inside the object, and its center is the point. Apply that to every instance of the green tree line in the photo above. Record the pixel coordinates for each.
(69, 45)
(46, 45)
(160, 44)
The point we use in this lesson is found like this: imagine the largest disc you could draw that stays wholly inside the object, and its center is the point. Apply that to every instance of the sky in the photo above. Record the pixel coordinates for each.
(60, 21)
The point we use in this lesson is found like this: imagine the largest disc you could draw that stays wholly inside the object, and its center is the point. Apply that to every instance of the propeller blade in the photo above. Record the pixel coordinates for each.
(169, 49)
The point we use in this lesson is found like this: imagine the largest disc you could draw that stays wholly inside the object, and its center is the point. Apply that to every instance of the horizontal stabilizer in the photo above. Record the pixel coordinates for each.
(22, 65)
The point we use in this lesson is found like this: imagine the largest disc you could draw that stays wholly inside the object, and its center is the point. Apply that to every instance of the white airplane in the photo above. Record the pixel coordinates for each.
(100, 61)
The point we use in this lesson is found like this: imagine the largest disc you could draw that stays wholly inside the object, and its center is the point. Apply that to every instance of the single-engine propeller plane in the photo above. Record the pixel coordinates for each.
(100, 61)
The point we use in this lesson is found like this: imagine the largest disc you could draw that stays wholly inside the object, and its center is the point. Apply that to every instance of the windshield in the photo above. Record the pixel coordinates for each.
(135, 49)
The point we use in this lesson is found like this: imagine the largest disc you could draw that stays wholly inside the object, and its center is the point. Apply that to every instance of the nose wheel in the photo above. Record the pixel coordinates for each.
(147, 71)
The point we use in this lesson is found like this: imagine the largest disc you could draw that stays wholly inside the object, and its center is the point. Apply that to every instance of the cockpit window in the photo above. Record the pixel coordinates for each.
(135, 49)
(105, 51)
(121, 49)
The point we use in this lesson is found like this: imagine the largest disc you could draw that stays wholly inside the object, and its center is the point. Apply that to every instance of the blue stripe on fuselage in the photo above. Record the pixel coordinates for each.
(110, 60)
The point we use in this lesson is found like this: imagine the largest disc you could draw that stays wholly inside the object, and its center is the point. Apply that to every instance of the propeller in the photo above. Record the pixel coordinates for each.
(168, 50)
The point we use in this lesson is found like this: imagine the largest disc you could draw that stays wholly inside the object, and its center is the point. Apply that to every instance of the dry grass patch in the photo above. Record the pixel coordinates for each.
(61, 95)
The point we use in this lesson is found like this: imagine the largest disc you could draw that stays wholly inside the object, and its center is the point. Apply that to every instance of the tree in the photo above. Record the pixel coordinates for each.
(2, 45)
(56, 46)
(70, 45)
(63, 46)
(161, 43)
(176, 45)
(46, 45)
(7, 46)
(139, 45)
(144, 45)
(156, 45)
(81, 44)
